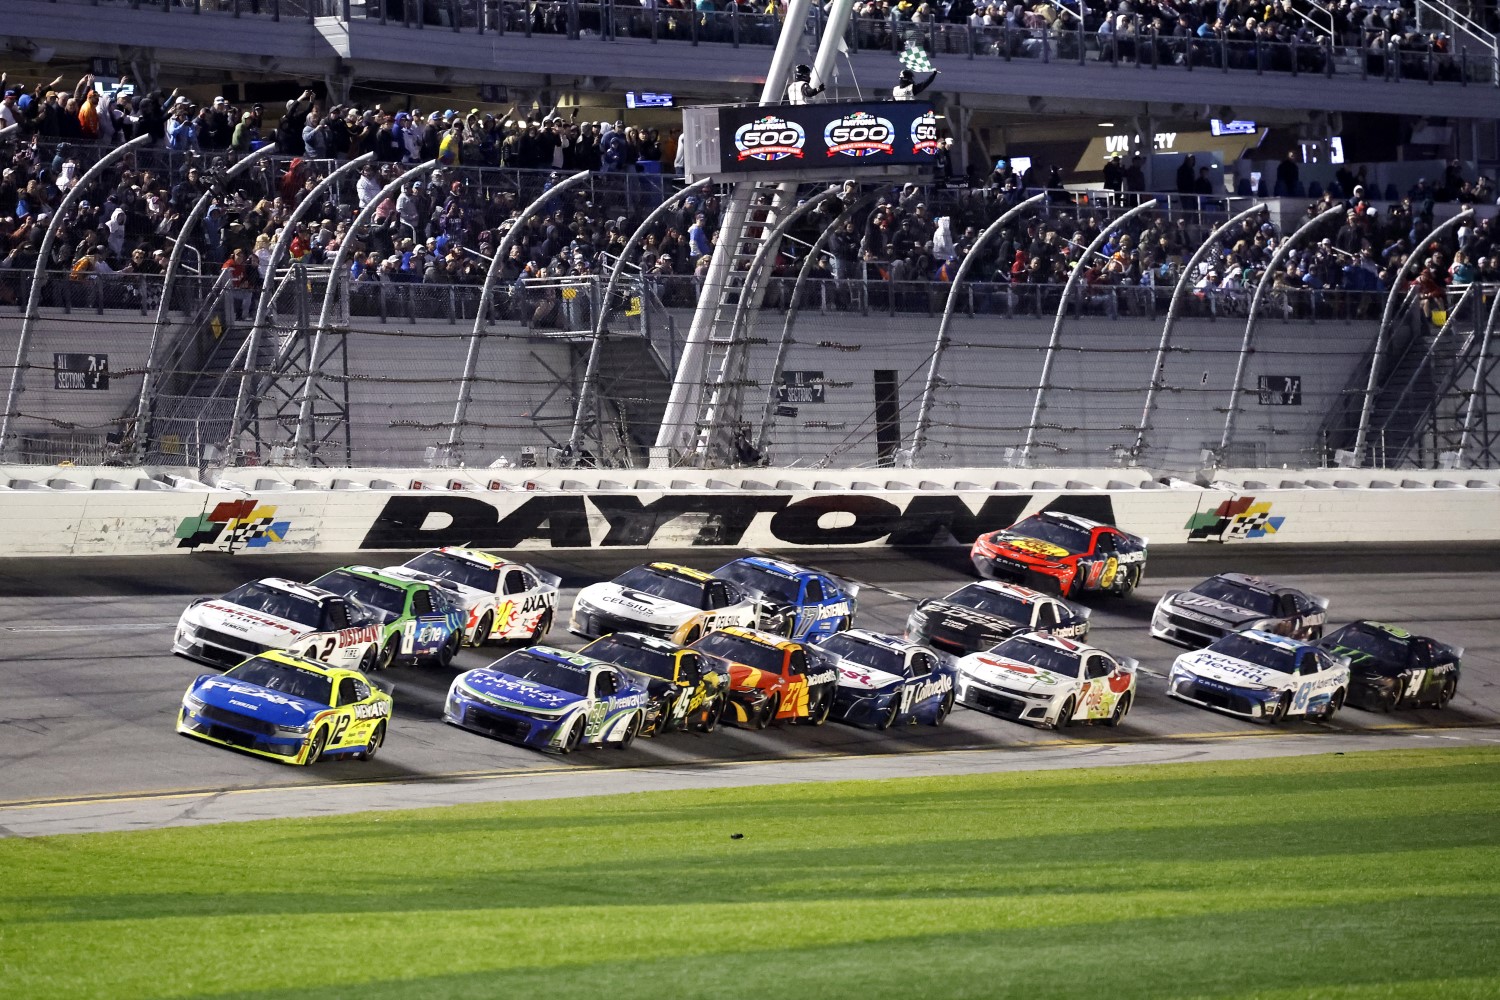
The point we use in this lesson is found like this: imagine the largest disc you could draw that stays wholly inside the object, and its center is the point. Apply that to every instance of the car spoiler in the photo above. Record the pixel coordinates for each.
(1080, 610)
(1130, 663)
(550, 579)
(848, 586)
(389, 687)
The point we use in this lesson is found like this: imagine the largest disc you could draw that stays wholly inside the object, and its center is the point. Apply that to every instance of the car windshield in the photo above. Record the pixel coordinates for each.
(982, 598)
(385, 598)
(1237, 594)
(662, 585)
(1272, 656)
(449, 567)
(762, 581)
(746, 651)
(1057, 532)
(610, 649)
(296, 681)
(279, 603)
(1039, 654)
(1388, 652)
(528, 666)
(866, 654)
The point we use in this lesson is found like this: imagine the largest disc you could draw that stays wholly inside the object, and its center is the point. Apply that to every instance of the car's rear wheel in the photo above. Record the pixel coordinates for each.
(482, 631)
(889, 719)
(449, 649)
(1450, 688)
(319, 741)
(1121, 707)
(377, 740)
(945, 709)
(694, 634)
(632, 730)
(773, 709)
(1065, 717)
(369, 661)
(1128, 578)
(711, 715)
(574, 739)
(1394, 701)
(388, 652)
(542, 628)
(819, 715)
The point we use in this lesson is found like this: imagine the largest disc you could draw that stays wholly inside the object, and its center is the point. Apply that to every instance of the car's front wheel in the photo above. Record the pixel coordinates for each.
(315, 749)
(377, 740)
(1121, 707)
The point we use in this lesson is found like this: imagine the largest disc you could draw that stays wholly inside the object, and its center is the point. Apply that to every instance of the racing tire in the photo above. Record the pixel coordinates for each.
(574, 739)
(542, 628)
(1315, 633)
(482, 631)
(1450, 688)
(1394, 702)
(377, 739)
(319, 741)
(1127, 580)
(772, 710)
(1334, 704)
(632, 730)
(1283, 705)
(694, 634)
(368, 662)
(1065, 717)
(388, 653)
(945, 709)
(818, 716)
(712, 715)
(1121, 708)
(449, 649)
(891, 716)
(842, 625)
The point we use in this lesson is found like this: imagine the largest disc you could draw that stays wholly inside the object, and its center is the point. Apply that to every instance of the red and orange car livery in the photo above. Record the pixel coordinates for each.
(770, 678)
(1063, 553)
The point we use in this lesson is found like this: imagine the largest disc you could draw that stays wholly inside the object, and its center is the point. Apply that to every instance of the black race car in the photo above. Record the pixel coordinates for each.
(1234, 602)
(687, 689)
(1390, 668)
(977, 616)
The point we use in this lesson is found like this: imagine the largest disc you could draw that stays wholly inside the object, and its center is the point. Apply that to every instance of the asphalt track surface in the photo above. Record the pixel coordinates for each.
(89, 693)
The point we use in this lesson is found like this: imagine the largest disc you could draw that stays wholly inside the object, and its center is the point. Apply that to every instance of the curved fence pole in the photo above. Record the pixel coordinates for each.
(924, 412)
(1479, 373)
(784, 345)
(9, 130)
(1261, 288)
(1179, 291)
(486, 295)
(199, 209)
(268, 292)
(1383, 336)
(336, 277)
(591, 369)
(1062, 312)
(23, 341)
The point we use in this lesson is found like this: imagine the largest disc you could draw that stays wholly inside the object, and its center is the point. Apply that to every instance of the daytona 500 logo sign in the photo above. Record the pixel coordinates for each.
(924, 134)
(770, 139)
(859, 134)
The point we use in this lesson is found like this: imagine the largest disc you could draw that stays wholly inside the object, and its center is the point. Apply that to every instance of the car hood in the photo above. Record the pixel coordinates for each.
(254, 625)
(1196, 605)
(513, 692)
(967, 620)
(635, 605)
(275, 707)
(1005, 672)
(857, 677)
(1027, 549)
(468, 596)
(1229, 670)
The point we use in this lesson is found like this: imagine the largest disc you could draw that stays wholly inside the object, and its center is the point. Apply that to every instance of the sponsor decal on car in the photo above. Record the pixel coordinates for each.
(378, 710)
(914, 694)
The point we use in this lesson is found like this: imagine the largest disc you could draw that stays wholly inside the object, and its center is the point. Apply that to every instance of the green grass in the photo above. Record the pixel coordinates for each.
(1359, 876)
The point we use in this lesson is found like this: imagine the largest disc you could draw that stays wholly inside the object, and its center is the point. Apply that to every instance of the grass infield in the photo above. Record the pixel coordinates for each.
(1350, 876)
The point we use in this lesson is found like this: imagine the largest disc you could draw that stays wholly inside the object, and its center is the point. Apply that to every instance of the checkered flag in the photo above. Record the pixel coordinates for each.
(914, 58)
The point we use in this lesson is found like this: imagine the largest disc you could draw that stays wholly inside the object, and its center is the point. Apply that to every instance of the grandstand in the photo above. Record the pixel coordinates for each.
(1331, 249)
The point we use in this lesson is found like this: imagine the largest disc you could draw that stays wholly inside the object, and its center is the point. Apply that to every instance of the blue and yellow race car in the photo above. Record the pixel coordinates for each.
(795, 602)
(288, 708)
(551, 699)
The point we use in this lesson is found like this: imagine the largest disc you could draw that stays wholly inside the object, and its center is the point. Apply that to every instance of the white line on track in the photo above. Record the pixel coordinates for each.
(130, 626)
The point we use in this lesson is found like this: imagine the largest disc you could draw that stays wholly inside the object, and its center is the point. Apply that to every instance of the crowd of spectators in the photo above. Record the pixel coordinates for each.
(444, 228)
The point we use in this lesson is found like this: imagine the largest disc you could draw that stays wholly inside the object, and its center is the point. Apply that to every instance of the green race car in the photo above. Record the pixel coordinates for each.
(421, 623)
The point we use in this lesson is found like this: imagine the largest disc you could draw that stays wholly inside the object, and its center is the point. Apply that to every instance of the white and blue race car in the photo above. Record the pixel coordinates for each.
(551, 699)
(885, 681)
(1261, 676)
(795, 602)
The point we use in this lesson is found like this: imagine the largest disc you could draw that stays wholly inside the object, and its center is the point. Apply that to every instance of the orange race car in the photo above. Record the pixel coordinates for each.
(771, 678)
(1062, 553)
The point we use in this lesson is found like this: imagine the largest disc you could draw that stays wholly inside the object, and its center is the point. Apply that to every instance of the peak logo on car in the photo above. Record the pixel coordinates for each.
(924, 134)
(859, 134)
(770, 139)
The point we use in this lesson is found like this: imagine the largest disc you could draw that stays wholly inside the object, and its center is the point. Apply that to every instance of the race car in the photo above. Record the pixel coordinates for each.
(288, 708)
(978, 615)
(885, 681)
(662, 599)
(688, 690)
(550, 699)
(1062, 553)
(1262, 676)
(1234, 602)
(771, 678)
(795, 602)
(274, 613)
(418, 622)
(1390, 668)
(501, 599)
(1048, 681)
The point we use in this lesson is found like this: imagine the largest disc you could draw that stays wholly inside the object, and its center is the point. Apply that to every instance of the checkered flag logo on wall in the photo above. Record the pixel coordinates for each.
(914, 58)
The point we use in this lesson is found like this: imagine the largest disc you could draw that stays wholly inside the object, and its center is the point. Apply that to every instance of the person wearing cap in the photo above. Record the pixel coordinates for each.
(289, 129)
(217, 128)
(182, 129)
(9, 113)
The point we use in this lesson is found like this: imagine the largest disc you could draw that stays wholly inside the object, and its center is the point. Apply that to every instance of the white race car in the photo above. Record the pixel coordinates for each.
(280, 614)
(1262, 676)
(665, 600)
(1048, 681)
(503, 599)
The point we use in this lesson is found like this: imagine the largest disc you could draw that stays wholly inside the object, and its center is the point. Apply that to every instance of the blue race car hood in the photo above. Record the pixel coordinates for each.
(275, 707)
(525, 695)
